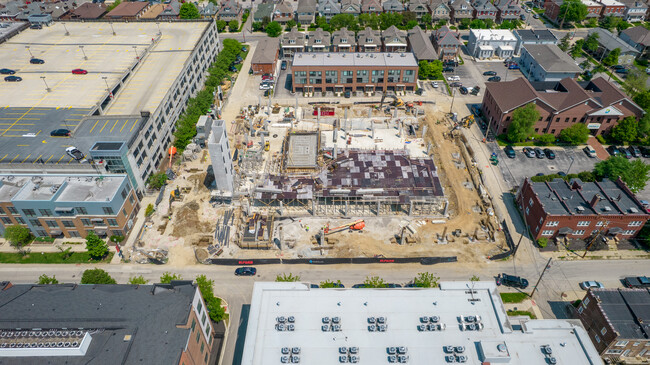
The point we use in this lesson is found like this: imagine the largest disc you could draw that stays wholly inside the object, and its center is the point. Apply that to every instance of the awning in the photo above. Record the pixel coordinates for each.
(615, 230)
(100, 232)
(55, 232)
(565, 230)
(63, 210)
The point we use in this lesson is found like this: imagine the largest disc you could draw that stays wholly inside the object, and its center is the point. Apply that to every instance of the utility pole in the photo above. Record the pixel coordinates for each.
(548, 264)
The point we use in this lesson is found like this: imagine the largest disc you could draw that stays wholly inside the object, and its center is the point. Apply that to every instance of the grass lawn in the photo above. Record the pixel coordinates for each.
(513, 297)
(50, 258)
(522, 313)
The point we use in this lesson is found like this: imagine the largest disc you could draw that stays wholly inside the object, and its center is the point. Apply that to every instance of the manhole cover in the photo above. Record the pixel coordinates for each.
(552, 167)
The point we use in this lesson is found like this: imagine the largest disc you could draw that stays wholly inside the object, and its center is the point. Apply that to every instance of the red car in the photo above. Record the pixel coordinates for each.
(267, 77)
(78, 71)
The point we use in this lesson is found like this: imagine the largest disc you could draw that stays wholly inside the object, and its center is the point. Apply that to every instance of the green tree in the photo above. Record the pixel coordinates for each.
(189, 11)
(257, 26)
(96, 276)
(591, 42)
(585, 65)
(423, 70)
(212, 303)
(157, 180)
(287, 277)
(625, 130)
(167, 277)
(591, 23)
(565, 43)
(331, 284)
(44, 280)
(610, 22)
(542, 242)
(233, 25)
(642, 99)
(374, 282)
(612, 57)
(474, 278)
(95, 246)
(290, 24)
(149, 210)
(477, 24)
(586, 176)
(427, 20)
(273, 29)
(573, 11)
(138, 280)
(576, 50)
(265, 21)
(644, 126)
(546, 138)
(426, 280)
(339, 21)
(575, 134)
(113, 5)
(221, 25)
(411, 24)
(633, 173)
(635, 81)
(523, 120)
(464, 23)
(18, 236)
(644, 235)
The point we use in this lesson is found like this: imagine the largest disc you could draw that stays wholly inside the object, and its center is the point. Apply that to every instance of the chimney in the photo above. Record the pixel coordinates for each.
(594, 200)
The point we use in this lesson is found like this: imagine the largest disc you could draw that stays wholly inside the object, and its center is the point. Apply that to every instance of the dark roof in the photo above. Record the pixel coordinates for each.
(421, 45)
(551, 58)
(266, 51)
(628, 310)
(639, 35)
(127, 9)
(89, 11)
(150, 314)
(610, 42)
(534, 35)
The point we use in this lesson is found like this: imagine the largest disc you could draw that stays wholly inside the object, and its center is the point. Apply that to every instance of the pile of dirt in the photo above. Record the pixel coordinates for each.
(187, 221)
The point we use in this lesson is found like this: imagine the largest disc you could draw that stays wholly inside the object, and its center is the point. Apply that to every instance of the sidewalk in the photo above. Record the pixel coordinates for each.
(597, 255)
(137, 227)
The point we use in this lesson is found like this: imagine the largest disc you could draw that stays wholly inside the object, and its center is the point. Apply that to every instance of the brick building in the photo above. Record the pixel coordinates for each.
(597, 103)
(617, 322)
(107, 324)
(265, 58)
(363, 72)
(612, 8)
(68, 206)
(578, 209)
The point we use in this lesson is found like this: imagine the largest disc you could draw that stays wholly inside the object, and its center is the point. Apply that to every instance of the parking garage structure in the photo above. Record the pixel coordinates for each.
(139, 78)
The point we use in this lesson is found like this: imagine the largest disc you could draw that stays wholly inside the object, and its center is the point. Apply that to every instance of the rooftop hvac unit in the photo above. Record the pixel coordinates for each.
(372, 328)
(295, 359)
(284, 359)
(450, 358)
(336, 327)
(424, 319)
(547, 349)
(460, 349)
(552, 360)
(381, 320)
(291, 319)
(354, 350)
(284, 350)
(325, 328)
(295, 350)
(354, 359)
(402, 359)
(422, 327)
(326, 319)
(281, 319)
(336, 319)
(435, 319)
(449, 349)
(371, 320)
(462, 358)
(291, 327)
(391, 350)
(343, 350)
(402, 350)
(343, 359)
(279, 327)
(381, 328)
(392, 359)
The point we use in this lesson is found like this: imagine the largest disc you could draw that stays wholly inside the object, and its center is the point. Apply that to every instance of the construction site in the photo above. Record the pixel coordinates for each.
(379, 179)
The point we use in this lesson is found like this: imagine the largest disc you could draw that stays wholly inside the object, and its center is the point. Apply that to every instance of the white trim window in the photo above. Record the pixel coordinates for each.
(635, 224)
(629, 232)
(548, 232)
(584, 223)
(552, 224)
(603, 331)
(597, 338)
(579, 232)
(613, 352)
(621, 343)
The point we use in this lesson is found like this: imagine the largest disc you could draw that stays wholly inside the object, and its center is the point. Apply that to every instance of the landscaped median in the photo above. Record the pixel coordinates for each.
(52, 258)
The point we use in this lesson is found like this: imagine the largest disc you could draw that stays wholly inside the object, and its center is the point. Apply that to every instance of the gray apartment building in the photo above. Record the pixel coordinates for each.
(68, 205)
(547, 62)
(533, 36)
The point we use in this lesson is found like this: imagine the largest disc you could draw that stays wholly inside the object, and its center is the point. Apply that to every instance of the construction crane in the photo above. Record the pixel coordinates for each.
(354, 226)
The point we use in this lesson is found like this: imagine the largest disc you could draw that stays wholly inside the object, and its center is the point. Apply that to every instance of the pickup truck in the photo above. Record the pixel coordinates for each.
(637, 282)
(513, 281)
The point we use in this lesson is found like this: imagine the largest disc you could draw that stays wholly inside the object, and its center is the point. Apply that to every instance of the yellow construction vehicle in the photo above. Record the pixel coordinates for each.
(267, 146)
(354, 226)
(467, 121)
(397, 102)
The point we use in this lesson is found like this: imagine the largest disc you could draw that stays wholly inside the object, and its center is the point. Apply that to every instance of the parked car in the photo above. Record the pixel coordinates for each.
(434, 84)
(447, 69)
(494, 79)
(6, 71)
(539, 153)
(245, 271)
(79, 71)
(513, 66)
(549, 153)
(13, 79)
(36, 26)
(456, 84)
(591, 284)
(267, 77)
(536, 16)
(266, 86)
(489, 73)
(590, 151)
(637, 282)
(622, 71)
(625, 152)
(528, 152)
(463, 90)
(244, 49)
(613, 150)
(238, 60)
(475, 90)
(618, 67)
(453, 78)
(283, 65)
(561, 173)
(522, 17)
(635, 151)
(74, 153)
(36, 61)
(645, 151)
(510, 152)
(232, 68)
(60, 133)
(513, 281)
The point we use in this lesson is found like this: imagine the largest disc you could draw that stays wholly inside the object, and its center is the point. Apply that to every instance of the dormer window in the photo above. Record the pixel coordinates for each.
(344, 40)
(292, 41)
(318, 41)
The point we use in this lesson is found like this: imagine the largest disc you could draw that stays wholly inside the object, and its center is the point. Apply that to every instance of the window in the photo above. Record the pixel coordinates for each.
(124, 194)
(603, 331)
(579, 232)
(20, 220)
(81, 210)
(635, 224)
(584, 223)
(580, 309)
(108, 210)
(199, 307)
(198, 335)
(35, 223)
(206, 358)
(636, 343)
(86, 222)
(597, 338)
(203, 319)
(41, 233)
(29, 212)
(552, 224)
(629, 232)
(6, 220)
(527, 210)
(12, 210)
(202, 346)
(586, 301)
(45, 212)
(613, 352)
(193, 324)
(51, 223)
(68, 223)
(112, 222)
(547, 233)
(74, 234)
(530, 202)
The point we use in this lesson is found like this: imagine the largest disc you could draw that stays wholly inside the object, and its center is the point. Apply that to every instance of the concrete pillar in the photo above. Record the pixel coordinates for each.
(378, 206)
(262, 136)
(250, 127)
(424, 131)
(313, 206)
(259, 101)
(345, 116)
(334, 153)
(295, 112)
(281, 238)
(318, 116)
(428, 148)
(372, 126)
(395, 113)
(410, 208)
(347, 206)
(336, 129)
(281, 207)
(369, 112)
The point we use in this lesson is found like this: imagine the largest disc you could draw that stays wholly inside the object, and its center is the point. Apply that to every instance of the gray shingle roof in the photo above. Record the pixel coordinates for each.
(266, 51)
(610, 41)
(628, 310)
(533, 35)
(639, 35)
(551, 58)
(421, 45)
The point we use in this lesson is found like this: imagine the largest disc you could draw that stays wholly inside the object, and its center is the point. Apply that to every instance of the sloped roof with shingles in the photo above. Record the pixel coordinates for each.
(393, 5)
(89, 11)
(343, 34)
(610, 41)
(421, 45)
(639, 35)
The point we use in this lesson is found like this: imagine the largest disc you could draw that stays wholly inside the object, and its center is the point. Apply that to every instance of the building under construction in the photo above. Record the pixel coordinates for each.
(351, 183)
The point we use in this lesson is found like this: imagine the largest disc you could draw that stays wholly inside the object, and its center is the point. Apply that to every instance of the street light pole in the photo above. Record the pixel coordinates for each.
(104, 78)
(135, 49)
(84, 52)
(66, 29)
(113, 29)
(47, 88)
(30, 52)
(571, 164)
(158, 24)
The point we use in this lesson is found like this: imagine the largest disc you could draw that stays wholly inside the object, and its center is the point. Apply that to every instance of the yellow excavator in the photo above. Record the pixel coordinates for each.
(397, 102)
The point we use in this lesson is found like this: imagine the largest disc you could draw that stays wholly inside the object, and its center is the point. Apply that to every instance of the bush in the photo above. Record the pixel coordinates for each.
(212, 303)
(330, 284)
(542, 242)
(601, 139)
(18, 236)
(575, 135)
(96, 276)
(546, 138)
(45, 280)
(287, 278)
(138, 280)
(587, 176)
(374, 282)
(149, 210)
(157, 181)
(576, 303)
(167, 277)
(116, 238)
(426, 280)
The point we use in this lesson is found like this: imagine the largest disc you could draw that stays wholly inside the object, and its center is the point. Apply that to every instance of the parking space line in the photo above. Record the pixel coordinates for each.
(100, 131)
(48, 160)
(133, 126)
(91, 129)
(26, 158)
(12, 160)
(5, 156)
(111, 131)
(22, 145)
(38, 158)
(62, 156)
(70, 160)
(126, 121)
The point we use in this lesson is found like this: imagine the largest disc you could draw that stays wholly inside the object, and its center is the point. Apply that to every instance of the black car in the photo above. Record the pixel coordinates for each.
(244, 49)
(613, 150)
(456, 84)
(463, 90)
(645, 151)
(622, 71)
(618, 67)
(238, 60)
(13, 78)
(549, 153)
(494, 79)
(489, 73)
(36, 26)
(510, 152)
(513, 281)
(625, 152)
(637, 282)
(448, 69)
(36, 61)
(539, 153)
(60, 133)
(245, 271)
(635, 151)
(6, 71)
(232, 68)
(283, 65)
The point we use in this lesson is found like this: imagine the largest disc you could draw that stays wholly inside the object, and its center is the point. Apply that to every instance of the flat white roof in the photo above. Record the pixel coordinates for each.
(501, 339)
(590, 3)
(399, 59)
(611, 3)
(493, 34)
